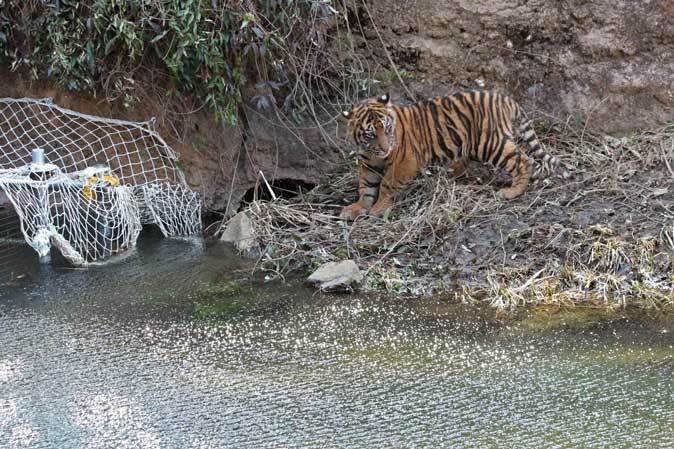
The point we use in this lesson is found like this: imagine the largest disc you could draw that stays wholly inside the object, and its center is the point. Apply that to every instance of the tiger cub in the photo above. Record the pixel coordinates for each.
(397, 142)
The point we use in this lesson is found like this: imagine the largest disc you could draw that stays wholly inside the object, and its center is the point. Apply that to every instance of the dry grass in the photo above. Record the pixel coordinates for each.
(603, 237)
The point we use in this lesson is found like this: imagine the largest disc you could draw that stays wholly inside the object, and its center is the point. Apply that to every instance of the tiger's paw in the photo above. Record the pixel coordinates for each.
(509, 193)
(380, 209)
(457, 169)
(352, 211)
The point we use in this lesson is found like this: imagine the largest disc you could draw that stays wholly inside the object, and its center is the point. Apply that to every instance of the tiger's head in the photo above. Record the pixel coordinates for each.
(372, 125)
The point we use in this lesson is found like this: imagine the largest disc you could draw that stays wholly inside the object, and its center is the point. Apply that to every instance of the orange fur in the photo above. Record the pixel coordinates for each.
(397, 142)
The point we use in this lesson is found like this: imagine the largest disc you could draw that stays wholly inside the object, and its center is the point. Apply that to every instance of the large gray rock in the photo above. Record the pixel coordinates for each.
(335, 276)
(240, 232)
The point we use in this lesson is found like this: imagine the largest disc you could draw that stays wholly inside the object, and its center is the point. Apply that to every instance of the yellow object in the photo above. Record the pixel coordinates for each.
(88, 193)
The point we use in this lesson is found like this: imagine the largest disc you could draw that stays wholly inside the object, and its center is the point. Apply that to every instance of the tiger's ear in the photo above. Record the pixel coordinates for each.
(346, 114)
(384, 99)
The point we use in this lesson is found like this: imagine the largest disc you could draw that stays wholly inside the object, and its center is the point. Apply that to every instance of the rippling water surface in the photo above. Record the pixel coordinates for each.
(135, 355)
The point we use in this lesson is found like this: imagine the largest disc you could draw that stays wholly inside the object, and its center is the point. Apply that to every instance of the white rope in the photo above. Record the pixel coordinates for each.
(101, 179)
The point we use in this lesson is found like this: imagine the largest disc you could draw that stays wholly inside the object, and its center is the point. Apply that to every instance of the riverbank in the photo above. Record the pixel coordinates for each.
(602, 235)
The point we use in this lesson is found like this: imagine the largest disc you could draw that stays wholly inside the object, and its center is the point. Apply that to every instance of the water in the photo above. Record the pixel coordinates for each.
(141, 354)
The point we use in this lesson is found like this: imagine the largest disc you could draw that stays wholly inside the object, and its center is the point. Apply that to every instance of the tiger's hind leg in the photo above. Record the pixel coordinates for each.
(520, 167)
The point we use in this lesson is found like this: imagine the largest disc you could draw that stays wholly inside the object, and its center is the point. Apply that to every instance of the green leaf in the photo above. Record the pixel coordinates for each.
(109, 46)
(158, 37)
(258, 32)
(91, 59)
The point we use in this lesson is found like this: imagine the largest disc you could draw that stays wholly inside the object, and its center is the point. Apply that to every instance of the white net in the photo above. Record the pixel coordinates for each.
(85, 220)
(85, 184)
(10, 240)
(181, 217)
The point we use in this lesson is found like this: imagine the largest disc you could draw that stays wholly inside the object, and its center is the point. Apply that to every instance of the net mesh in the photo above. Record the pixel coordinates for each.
(98, 181)
(10, 239)
(180, 217)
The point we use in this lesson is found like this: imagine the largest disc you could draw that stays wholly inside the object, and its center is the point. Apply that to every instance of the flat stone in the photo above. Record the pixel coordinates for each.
(337, 276)
(241, 233)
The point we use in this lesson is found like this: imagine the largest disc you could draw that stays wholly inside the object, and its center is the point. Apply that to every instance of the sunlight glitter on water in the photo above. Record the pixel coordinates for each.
(118, 357)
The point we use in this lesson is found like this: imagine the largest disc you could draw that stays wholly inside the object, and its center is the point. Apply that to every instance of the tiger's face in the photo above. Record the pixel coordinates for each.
(372, 126)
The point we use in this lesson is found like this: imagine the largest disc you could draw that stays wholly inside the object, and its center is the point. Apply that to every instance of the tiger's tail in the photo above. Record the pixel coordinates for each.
(547, 163)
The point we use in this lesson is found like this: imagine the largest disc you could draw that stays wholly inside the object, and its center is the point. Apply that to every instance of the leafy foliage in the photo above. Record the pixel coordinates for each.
(210, 48)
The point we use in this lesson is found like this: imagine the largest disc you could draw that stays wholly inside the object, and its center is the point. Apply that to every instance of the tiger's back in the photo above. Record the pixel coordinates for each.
(396, 142)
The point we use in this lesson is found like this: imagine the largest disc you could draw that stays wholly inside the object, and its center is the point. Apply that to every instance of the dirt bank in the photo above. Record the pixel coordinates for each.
(606, 63)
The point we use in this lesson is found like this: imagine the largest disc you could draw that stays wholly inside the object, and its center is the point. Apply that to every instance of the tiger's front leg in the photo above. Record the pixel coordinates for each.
(387, 191)
(371, 172)
(396, 176)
